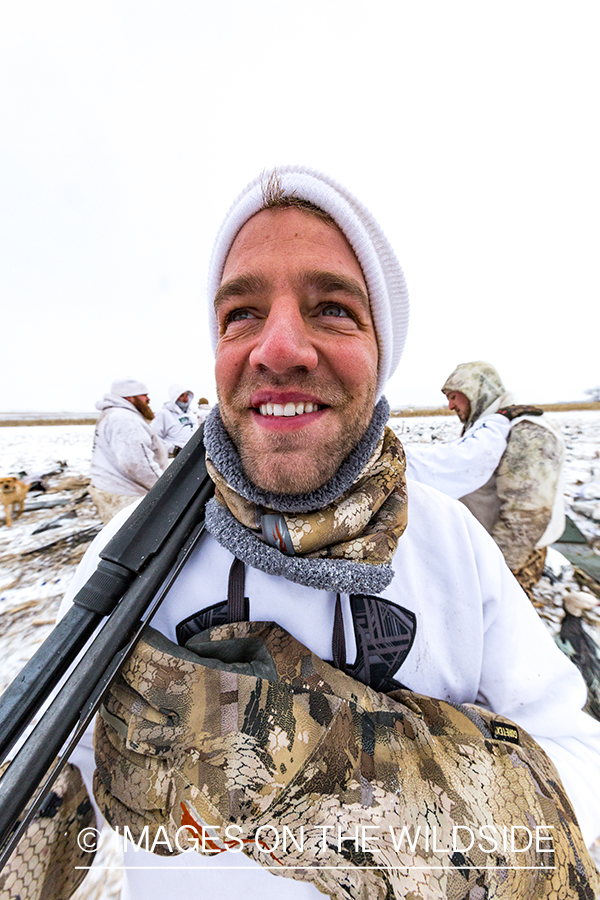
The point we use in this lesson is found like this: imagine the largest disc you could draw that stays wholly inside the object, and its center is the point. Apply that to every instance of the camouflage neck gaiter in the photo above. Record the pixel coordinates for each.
(346, 545)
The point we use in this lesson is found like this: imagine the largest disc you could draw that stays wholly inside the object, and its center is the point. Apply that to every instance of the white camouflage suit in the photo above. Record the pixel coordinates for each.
(176, 424)
(128, 457)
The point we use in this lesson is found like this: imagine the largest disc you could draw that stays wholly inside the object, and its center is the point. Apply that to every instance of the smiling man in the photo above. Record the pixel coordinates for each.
(223, 719)
(297, 354)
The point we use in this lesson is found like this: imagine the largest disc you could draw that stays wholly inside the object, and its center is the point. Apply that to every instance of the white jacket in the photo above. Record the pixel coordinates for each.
(478, 639)
(127, 456)
(461, 466)
(174, 426)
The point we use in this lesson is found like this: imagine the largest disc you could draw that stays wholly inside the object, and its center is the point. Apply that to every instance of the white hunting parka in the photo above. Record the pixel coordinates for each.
(453, 624)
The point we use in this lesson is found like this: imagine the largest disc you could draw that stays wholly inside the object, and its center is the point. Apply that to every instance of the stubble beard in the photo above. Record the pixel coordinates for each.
(295, 463)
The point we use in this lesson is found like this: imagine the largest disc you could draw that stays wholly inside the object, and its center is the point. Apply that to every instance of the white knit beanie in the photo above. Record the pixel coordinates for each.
(128, 387)
(388, 293)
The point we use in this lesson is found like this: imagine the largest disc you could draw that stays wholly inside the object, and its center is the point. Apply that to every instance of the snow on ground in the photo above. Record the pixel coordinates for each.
(35, 568)
(37, 448)
(36, 565)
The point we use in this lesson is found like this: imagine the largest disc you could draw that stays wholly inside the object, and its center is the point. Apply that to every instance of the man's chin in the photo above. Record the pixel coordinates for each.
(284, 474)
(301, 460)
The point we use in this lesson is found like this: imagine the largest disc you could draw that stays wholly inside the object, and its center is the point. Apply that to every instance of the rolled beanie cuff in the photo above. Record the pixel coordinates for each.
(383, 275)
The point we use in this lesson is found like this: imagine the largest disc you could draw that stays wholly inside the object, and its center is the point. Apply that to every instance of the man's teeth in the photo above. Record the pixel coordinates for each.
(287, 409)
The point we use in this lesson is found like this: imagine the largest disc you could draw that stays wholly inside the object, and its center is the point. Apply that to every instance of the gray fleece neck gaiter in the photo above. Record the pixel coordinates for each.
(337, 575)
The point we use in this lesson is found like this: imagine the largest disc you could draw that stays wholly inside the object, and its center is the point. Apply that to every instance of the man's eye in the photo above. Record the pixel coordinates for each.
(332, 309)
(237, 315)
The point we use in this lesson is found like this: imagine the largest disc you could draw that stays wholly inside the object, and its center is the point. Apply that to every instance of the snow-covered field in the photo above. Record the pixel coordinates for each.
(38, 447)
(35, 564)
(39, 553)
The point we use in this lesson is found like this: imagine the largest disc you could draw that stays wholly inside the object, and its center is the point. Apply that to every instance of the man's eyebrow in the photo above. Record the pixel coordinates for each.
(240, 287)
(318, 280)
(332, 282)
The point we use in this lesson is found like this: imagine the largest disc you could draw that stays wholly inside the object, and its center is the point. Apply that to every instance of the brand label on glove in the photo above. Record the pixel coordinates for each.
(502, 731)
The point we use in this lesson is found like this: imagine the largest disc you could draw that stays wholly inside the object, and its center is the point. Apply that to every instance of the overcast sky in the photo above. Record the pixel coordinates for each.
(127, 127)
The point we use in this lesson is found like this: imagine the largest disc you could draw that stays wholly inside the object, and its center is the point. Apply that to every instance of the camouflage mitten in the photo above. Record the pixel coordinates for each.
(43, 867)
(513, 412)
(245, 737)
(188, 738)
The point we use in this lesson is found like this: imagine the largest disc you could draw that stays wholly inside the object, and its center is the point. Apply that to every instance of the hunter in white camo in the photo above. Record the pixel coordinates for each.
(521, 504)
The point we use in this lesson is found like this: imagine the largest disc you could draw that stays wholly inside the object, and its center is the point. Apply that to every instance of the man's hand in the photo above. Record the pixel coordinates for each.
(516, 410)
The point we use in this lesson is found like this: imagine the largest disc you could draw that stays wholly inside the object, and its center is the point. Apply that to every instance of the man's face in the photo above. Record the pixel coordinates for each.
(296, 362)
(183, 398)
(460, 404)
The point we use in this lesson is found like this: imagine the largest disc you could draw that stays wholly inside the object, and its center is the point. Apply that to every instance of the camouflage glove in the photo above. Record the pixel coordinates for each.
(43, 867)
(513, 412)
(254, 733)
(174, 722)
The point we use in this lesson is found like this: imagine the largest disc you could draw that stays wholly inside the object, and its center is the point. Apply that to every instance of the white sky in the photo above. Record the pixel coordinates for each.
(127, 127)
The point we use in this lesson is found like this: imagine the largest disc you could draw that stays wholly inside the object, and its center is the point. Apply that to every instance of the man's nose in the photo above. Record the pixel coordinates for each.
(285, 340)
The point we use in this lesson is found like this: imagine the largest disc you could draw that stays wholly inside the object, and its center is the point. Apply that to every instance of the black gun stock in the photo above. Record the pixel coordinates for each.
(127, 587)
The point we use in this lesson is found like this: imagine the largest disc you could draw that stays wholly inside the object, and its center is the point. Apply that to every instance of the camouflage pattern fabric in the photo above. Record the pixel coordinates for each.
(43, 867)
(531, 571)
(245, 732)
(363, 525)
(109, 504)
(526, 484)
(584, 652)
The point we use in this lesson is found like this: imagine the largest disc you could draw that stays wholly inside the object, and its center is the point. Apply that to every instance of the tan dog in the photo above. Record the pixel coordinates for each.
(12, 493)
